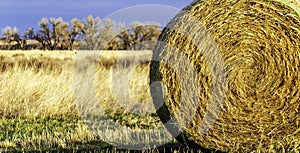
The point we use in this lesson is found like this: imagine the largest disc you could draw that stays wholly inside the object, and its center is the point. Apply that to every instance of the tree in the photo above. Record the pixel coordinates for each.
(30, 35)
(13, 38)
(89, 31)
(53, 34)
(72, 35)
(139, 36)
(107, 35)
(96, 36)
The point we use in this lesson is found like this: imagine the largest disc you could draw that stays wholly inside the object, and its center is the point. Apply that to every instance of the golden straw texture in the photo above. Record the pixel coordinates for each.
(259, 45)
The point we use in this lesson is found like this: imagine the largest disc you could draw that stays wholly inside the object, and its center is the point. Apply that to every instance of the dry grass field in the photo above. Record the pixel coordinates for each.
(38, 109)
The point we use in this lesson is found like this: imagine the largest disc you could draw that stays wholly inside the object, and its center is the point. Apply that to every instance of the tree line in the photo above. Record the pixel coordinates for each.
(87, 34)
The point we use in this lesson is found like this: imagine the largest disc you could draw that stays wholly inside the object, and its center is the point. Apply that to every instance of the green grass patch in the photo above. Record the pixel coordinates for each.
(136, 121)
(46, 134)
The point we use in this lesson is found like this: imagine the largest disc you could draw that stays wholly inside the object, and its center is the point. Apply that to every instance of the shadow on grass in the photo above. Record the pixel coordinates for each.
(21, 131)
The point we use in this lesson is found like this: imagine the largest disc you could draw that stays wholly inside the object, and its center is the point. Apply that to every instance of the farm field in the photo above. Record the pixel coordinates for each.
(38, 106)
(41, 107)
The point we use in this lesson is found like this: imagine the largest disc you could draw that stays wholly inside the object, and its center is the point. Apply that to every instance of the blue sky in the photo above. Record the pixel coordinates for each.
(27, 13)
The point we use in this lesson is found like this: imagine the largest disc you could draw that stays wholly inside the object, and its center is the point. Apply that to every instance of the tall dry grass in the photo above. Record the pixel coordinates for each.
(36, 92)
(34, 84)
(37, 89)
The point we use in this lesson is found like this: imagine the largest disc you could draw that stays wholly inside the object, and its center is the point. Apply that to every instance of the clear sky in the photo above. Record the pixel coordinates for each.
(27, 13)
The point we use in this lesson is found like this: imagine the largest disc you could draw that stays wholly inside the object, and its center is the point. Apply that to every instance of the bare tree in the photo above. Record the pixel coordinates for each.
(139, 36)
(30, 35)
(108, 34)
(95, 34)
(91, 33)
(13, 38)
(53, 34)
(72, 36)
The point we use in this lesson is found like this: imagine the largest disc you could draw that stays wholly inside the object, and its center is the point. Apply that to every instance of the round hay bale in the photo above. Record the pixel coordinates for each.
(225, 75)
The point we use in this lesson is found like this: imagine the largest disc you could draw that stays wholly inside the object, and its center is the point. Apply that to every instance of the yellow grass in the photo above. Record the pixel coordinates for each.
(38, 85)
(27, 93)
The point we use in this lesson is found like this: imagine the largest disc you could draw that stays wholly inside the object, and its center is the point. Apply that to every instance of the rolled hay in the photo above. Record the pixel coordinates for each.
(225, 75)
